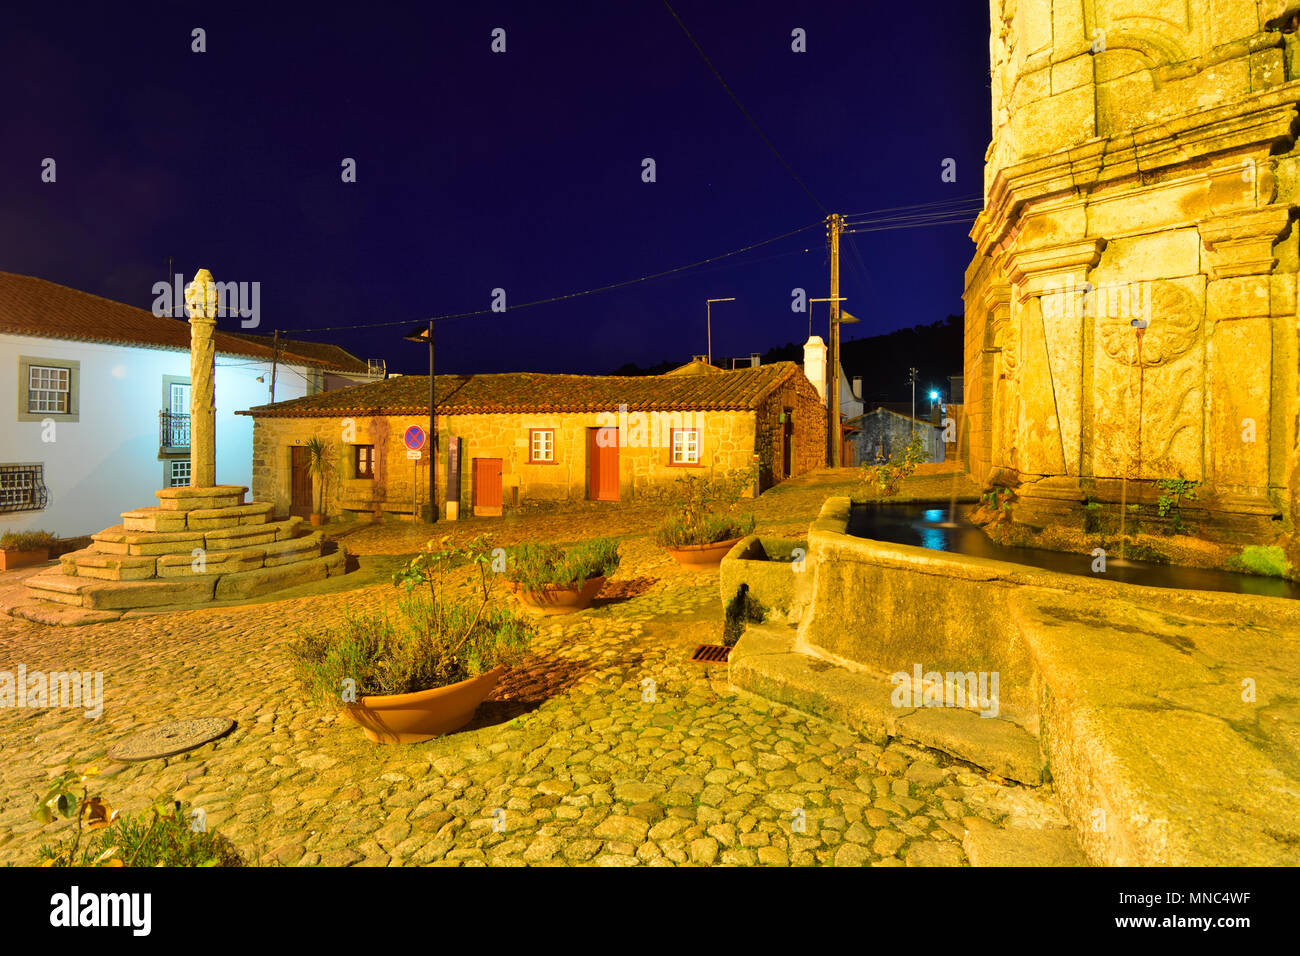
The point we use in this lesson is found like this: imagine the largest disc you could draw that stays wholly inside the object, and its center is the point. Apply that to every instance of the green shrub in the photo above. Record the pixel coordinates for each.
(707, 529)
(884, 478)
(161, 836)
(1264, 560)
(429, 639)
(538, 566)
(420, 645)
(702, 509)
(27, 540)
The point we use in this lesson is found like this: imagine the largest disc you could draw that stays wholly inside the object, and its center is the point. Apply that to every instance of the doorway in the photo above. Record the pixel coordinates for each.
(602, 458)
(787, 438)
(300, 502)
(487, 487)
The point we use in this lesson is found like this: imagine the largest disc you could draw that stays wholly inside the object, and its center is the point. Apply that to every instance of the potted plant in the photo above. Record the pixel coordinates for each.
(418, 670)
(318, 465)
(549, 580)
(703, 528)
(21, 549)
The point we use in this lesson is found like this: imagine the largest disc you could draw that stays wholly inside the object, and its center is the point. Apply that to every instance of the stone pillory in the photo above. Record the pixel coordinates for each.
(199, 543)
(529, 436)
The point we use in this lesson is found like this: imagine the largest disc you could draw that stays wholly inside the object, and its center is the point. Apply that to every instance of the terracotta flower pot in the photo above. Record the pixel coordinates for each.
(702, 555)
(424, 714)
(11, 558)
(316, 520)
(559, 600)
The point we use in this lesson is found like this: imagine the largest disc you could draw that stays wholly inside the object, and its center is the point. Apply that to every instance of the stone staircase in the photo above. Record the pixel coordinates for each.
(198, 545)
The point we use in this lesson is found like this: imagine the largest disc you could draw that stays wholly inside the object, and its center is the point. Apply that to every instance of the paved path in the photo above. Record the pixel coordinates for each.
(578, 758)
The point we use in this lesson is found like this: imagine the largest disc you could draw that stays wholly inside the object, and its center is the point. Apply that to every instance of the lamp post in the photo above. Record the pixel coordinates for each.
(911, 377)
(708, 318)
(425, 334)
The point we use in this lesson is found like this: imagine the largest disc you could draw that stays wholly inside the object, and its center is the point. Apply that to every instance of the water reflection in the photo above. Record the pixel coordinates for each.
(929, 527)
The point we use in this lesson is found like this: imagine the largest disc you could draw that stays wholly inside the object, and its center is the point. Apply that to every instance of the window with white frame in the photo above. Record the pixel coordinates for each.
(178, 473)
(541, 445)
(48, 389)
(686, 446)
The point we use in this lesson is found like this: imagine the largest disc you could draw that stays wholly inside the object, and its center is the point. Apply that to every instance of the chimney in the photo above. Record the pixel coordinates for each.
(857, 387)
(755, 360)
(814, 364)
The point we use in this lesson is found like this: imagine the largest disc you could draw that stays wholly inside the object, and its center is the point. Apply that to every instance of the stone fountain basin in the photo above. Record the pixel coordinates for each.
(1169, 713)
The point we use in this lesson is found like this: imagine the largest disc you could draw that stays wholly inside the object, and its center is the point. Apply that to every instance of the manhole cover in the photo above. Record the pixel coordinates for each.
(711, 654)
(171, 739)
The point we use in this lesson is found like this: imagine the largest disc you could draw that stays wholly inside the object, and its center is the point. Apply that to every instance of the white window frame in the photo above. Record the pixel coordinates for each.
(686, 450)
(42, 381)
(543, 451)
(172, 465)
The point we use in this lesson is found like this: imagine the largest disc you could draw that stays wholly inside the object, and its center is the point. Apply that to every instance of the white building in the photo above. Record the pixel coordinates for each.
(815, 366)
(94, 405)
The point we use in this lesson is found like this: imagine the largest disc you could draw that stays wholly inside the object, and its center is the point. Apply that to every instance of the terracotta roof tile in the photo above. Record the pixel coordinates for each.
(535, 392)
(35, 307)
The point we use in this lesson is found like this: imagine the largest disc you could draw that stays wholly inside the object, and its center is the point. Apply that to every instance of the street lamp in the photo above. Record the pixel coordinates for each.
(708, 315)
(425, 334)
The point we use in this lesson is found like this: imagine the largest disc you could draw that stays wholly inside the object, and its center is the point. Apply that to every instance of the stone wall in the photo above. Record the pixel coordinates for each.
(727, 441)
(1143, 168)
(808, 442)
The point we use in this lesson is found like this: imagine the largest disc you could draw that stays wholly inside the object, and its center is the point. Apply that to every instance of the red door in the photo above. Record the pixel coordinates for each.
(487, 486)
(602, 454)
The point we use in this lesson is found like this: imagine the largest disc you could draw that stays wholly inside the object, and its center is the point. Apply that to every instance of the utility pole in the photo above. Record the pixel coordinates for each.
(911, 376)
(275, 355)
(708, 317)
(835, 225)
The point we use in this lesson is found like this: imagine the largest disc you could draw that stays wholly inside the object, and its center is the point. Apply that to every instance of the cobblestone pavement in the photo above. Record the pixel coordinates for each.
(607, 747)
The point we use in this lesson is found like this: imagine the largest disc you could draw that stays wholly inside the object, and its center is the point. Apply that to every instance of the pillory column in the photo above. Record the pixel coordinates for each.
(201, 307)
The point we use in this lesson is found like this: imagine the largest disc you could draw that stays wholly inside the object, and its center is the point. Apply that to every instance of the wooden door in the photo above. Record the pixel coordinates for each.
(787, 436)
(602, 458)
(487, 486)
(300, 502)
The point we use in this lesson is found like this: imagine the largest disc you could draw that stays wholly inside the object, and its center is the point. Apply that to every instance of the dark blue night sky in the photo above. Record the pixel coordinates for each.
(478, 170)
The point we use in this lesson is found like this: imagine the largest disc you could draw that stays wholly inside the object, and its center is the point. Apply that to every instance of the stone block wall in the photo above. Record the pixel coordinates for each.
(727, 442)
(808, 442)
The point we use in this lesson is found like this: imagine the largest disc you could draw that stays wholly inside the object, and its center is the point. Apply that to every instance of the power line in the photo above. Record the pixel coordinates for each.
(938, 202)
(570, 295)
(741, 106)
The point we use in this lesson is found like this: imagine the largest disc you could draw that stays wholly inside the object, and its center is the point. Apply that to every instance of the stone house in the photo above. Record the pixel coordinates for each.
(507, 439)
(885, 431)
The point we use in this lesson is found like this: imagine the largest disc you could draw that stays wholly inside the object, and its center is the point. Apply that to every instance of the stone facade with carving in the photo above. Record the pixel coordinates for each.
(1131, 309)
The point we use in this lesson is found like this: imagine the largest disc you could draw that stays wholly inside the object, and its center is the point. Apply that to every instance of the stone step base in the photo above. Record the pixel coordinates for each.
(88, 563)
(233, 576)
(765, 662)
(121, 541)
(192, 499)
(199, 519)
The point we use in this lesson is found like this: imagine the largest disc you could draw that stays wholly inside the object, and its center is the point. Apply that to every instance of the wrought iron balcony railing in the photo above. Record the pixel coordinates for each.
(173, 430)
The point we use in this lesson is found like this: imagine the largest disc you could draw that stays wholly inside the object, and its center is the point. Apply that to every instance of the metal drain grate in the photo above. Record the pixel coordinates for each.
(711, 654)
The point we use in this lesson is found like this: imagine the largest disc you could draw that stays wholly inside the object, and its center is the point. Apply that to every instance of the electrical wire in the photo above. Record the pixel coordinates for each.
(741, 106)
(561, 298)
